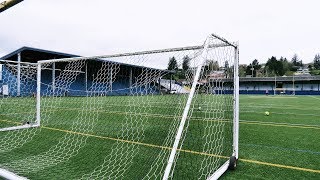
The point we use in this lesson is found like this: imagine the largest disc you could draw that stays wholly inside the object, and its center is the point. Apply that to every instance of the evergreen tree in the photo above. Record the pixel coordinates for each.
(316, 61)
(296, 61)
(275, 66)
(255, 65)
(286, 65)
(186, 63)
(172, 65)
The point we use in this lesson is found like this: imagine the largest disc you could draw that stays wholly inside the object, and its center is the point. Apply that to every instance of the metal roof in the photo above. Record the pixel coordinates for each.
(55, 55)
(25, 48)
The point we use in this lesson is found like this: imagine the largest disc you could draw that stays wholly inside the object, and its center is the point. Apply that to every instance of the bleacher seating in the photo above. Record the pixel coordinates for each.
(121, 86)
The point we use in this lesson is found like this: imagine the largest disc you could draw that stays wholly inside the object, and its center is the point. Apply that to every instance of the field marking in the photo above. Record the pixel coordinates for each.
(281, 125)
(10, 122)
(282, 105)
(281, 148)
(266, 123)
(181, 150)
(133, 142)
(277, 107)
(274, 97)
(283, 113)
(274, 124)
(315, 97)
(187, 151)
(303, 126)
(280, 166)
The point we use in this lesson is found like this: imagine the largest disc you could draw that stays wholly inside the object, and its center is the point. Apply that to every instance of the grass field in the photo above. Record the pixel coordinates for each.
(284, 145)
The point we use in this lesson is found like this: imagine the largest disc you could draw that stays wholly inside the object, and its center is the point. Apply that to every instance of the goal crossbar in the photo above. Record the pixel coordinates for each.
(187, 48)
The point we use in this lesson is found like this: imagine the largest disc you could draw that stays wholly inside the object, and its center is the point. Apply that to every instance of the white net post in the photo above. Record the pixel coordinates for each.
(236, 104)
(38, 95)
(186, 111)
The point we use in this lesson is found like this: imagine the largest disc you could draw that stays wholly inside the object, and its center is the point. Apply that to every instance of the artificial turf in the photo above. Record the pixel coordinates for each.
(78, 135)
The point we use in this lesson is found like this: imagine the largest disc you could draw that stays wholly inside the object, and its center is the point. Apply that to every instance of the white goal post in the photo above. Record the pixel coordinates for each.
(126, 99)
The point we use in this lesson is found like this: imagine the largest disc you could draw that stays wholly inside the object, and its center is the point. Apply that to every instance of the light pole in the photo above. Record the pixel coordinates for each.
(275, 84)
(252, 71)
(293, 88)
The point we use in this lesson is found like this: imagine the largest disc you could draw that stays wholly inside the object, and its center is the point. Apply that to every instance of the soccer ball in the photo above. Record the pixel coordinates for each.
(267, 113)
(199, 108)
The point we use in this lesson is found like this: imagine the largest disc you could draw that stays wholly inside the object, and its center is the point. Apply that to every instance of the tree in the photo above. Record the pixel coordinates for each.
(249, 70)
(286, 65)
(211, 66)
(172, 65)
(255, 65)
(242, 70)
(316, 61)
(280, 69)
(275, 66)
(296, 61)
(186, 63)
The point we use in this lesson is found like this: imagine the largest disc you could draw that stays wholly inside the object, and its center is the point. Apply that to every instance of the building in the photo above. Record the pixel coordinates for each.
(299, 85)
(123, 79)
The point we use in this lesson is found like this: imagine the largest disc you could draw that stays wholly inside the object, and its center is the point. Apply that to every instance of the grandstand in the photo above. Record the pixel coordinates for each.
(125, 76)
(173, 86)
(298, 85)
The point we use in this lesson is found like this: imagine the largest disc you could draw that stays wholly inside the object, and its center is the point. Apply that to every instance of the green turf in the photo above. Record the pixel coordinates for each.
(287, 137)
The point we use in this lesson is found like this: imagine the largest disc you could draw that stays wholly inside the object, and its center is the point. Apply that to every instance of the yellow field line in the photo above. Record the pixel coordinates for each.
(104, 137)
(131, 142)
(280, 165)
(10, 122)
(187, 151)
(169, 148)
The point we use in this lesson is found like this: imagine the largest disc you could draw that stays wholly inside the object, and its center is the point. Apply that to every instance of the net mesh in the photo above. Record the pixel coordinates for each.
(13, 97)
(116, 117)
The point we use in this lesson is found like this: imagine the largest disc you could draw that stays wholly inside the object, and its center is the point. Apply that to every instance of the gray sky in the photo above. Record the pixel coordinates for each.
(98, 27)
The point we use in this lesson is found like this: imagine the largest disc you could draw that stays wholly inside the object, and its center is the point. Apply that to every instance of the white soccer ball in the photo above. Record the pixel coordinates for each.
(267, 113)
(199, 108)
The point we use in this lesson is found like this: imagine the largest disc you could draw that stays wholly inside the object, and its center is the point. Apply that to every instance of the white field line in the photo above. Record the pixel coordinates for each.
(259, 112)
(279, 123)
(315, 97)
(273, 107)
(276, 105)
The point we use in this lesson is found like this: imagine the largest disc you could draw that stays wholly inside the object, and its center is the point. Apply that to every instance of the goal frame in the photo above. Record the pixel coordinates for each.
(235, 153)
(174, 149)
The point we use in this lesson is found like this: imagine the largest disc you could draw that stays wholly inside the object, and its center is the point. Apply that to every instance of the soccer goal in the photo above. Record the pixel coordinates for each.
(160, 114)
(284, 91)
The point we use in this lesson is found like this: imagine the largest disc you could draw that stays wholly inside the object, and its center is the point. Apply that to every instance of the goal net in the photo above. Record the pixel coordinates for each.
(17, 92)
(162, 114)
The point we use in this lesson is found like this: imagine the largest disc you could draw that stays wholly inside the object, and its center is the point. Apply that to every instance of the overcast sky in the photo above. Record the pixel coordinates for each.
(99, 27)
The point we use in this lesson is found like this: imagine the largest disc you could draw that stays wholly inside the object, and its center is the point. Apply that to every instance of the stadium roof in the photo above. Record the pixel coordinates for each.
(32, 55)
(29, 54)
